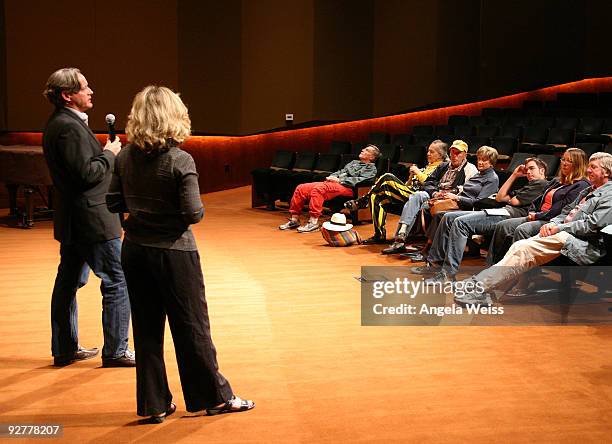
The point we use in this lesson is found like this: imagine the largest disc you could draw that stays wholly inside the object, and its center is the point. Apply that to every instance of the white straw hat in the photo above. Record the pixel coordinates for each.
(337, 223)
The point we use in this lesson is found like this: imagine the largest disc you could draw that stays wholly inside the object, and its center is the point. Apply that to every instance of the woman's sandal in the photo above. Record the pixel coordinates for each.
(158, 419)
(232, 406)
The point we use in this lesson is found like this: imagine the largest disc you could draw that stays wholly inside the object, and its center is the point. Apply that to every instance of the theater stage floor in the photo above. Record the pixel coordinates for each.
(285, 314)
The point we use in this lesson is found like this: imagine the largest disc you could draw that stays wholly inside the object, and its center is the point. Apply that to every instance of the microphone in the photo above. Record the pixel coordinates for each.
(110, 120)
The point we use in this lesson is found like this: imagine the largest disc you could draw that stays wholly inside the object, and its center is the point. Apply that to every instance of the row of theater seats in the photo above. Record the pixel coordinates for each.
(544, 129)
(289, 169)
(507, 139)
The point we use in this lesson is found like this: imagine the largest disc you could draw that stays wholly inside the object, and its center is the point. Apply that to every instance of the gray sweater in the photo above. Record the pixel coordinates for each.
(161, 194)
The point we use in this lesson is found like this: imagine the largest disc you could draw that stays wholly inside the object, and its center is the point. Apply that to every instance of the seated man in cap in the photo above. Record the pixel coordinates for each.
(575, 233)
(456, 227)
(446, 177)
(336, 184)
(389, 190)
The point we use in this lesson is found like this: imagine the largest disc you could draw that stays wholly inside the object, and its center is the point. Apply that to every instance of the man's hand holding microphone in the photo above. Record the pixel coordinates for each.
(113, 143)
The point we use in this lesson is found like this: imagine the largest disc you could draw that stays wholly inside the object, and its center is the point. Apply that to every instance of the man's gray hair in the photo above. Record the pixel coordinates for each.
(605, 161)
(375, 149)
(441, 148)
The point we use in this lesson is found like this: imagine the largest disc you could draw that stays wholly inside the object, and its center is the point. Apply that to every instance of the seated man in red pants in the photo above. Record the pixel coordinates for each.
(336, 184)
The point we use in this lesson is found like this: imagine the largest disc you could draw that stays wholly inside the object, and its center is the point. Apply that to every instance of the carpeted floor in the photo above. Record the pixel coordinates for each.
(285, 315)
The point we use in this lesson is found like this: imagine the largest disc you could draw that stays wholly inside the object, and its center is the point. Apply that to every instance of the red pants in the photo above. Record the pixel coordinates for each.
(317, 192)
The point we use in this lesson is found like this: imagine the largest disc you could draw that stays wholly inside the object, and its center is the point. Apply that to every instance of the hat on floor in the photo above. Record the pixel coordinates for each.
(337, 233)
(460, 145)
(337, 223)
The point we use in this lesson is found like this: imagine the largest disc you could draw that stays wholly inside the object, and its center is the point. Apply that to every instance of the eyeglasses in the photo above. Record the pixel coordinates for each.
(566, 160)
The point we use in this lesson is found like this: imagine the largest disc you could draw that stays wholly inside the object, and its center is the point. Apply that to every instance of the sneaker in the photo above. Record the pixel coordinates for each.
(475, 298)
(307, 228)
(471, 293)
(428, 268)
(290, 225)
(441, 276)
(128, 359)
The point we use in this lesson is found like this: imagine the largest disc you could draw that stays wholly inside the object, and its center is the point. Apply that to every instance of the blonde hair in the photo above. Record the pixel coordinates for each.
(579, 166)
(158, 118)
(488, 152)
(62, 80)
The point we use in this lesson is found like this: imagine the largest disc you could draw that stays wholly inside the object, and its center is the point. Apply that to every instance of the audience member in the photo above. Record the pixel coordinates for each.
(336, 184)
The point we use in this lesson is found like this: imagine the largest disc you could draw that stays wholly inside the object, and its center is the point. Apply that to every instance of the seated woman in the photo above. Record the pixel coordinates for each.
(479, 186)
(390, 190)
(157, 184)
(559, 192)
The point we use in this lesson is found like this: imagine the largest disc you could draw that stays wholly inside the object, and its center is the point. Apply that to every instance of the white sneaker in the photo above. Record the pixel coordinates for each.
(290, 225)
(307, 228)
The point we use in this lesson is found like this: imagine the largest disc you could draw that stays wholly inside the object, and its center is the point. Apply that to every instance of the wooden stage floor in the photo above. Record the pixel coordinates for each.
(285, 315)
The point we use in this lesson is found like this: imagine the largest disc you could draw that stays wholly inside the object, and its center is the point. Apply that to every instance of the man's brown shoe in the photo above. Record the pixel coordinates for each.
(80, 354)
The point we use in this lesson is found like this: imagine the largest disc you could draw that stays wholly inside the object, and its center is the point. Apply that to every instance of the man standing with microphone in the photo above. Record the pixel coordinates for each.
(88, 233)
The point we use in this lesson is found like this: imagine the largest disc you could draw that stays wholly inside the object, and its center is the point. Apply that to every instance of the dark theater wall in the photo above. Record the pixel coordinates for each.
(405, 61)
(120, 46)
(242, 64)
(210, 63)
(3, 102)
(597, 60)
(527, 44)
(343, 59)
(277, 63)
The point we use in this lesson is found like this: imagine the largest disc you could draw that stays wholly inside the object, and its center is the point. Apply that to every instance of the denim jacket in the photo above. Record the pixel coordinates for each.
(354, 172)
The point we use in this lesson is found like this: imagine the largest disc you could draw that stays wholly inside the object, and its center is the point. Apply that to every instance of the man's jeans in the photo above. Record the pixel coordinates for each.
(412, 207)
(455, 228)
(104, 258)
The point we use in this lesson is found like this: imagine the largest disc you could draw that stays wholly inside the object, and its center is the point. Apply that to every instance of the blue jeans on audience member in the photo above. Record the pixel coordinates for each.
(104, 259)
(451, 237)
(412, 208)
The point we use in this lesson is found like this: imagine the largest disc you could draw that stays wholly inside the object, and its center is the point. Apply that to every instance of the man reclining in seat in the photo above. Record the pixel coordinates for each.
(575, 233)
(336, 184)
(456, 227)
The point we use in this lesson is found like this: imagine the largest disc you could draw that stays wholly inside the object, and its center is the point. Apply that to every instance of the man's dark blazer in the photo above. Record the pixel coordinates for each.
(81, 173)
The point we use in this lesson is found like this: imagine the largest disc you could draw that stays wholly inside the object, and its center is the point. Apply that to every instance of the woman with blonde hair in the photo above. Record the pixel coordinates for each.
(157, 184)
(558, 192)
